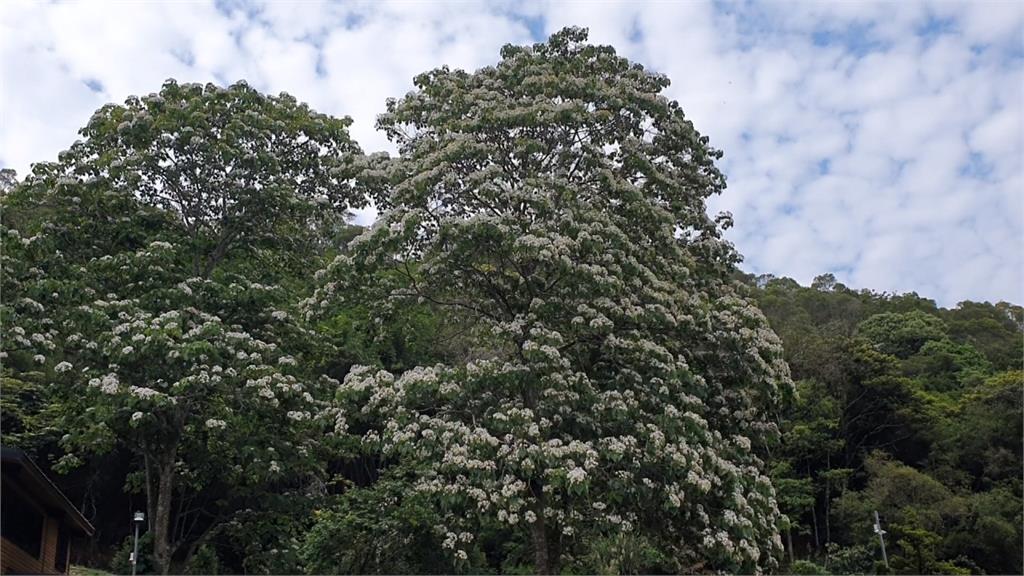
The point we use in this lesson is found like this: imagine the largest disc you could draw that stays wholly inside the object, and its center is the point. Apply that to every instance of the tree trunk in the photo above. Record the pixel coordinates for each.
(789, 542)
(151, 490)
(538, 532)
(541, 560)
(162, 519)
(828, 502)
(814, 520)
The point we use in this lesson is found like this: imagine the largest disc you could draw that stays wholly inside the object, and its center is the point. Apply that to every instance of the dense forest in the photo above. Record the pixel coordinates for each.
(543, 356)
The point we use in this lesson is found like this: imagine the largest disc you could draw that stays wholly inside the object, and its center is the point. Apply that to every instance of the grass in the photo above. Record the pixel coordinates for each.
(77, 570)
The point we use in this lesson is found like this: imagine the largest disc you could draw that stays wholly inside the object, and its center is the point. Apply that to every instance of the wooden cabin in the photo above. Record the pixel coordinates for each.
(39, 523)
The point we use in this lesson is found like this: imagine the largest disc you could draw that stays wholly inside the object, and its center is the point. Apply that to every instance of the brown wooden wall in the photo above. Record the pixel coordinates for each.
(50, 531)
(14, 560)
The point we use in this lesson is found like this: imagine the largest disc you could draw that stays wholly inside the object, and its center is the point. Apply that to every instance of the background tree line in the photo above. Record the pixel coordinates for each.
(905, 408)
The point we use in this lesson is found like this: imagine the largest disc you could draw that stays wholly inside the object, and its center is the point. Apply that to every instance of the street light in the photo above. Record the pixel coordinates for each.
(139, 519)
(881, 538)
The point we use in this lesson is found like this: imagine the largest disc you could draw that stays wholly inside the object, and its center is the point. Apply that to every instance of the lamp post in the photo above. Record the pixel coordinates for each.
(138, 519)
(881, 539)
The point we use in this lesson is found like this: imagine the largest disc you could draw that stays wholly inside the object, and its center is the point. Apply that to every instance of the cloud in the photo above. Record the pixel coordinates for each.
(879, 141)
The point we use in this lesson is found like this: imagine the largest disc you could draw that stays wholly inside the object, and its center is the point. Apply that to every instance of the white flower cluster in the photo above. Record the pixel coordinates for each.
(145, 393)
(108, 384)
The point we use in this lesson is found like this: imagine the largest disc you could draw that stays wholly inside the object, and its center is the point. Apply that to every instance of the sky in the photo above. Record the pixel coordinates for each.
(881, 142)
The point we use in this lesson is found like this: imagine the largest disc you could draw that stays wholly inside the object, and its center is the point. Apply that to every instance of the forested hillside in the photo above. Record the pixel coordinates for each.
(543, 356)
(903, 408)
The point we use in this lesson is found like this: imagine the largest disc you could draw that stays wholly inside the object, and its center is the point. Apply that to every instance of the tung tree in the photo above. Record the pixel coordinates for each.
(216, 407)
(240, 169)
(128, 301)
(199, 380)
(554, 206)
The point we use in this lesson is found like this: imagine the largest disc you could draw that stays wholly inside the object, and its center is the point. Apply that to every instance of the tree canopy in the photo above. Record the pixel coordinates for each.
(141, 296)
(620, 385)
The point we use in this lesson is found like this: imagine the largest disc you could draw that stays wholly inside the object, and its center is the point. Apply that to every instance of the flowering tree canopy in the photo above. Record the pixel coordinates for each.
(128, 303)
(554, 205)
(214, 404)
(196, 377)
(238, 168)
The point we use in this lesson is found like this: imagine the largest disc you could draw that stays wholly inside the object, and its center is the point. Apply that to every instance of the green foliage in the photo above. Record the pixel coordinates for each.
(121, 561)
(76, 570)
(987, 535)
(20, 404)
(242, 170)
(806, 567)
(266, 538)
(204, 561)
(944, 366)
(623, 554)
(906, 497)
(852, 559)
(994, 330)
(902, 335)
(985, 436)
(385, 528)
(918, 549)
(902, 409)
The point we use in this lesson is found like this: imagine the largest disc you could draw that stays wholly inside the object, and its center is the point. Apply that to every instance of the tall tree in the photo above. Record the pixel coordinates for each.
(555, 205)
(132, 302)
(240, 169)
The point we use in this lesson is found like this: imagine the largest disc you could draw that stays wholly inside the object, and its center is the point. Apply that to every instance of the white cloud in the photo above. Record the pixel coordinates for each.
(881, 141)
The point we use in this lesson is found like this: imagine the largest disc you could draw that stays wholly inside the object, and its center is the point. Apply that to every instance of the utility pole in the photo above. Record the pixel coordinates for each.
(138, 519)
(881, 539)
